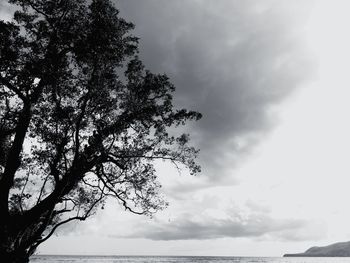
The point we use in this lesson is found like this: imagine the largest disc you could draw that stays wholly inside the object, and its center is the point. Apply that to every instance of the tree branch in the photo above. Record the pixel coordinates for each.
(125, 204)
(13, 158)
(81, 218)
(11, 87)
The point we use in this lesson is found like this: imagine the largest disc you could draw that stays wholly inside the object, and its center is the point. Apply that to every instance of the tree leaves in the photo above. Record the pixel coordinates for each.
(92, 119)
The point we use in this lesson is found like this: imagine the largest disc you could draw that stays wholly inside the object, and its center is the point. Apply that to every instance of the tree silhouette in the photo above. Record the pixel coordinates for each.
(81, 120)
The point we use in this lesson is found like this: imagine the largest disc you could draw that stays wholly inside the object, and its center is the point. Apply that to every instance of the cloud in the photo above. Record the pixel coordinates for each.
(234, 223)
(234, 61)
(6, 10)
(230, 60)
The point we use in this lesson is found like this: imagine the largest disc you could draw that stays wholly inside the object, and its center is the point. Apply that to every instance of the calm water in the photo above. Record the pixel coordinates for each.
(143, 259)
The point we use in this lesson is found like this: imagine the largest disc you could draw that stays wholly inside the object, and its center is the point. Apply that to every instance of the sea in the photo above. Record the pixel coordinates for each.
(180, 259)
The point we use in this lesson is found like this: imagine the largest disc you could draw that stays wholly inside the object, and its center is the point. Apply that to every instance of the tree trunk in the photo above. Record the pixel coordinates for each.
(14, 245)
(14, 256)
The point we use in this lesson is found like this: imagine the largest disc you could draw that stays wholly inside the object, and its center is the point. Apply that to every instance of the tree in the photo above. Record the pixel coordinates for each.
(81, 120)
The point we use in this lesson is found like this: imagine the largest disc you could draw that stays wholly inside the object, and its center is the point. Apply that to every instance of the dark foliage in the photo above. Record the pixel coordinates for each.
(81, 120)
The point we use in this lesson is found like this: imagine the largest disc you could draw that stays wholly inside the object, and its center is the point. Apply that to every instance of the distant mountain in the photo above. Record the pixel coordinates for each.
(341, 249)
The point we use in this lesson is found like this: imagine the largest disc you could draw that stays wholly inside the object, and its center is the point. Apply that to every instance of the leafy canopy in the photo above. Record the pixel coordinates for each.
(80, 118)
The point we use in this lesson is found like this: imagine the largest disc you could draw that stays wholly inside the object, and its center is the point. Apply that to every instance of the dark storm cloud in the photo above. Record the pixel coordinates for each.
(229, 59)
(185, 228)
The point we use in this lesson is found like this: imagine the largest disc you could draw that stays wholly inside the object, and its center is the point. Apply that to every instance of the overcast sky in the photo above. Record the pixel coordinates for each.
(271, 80)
